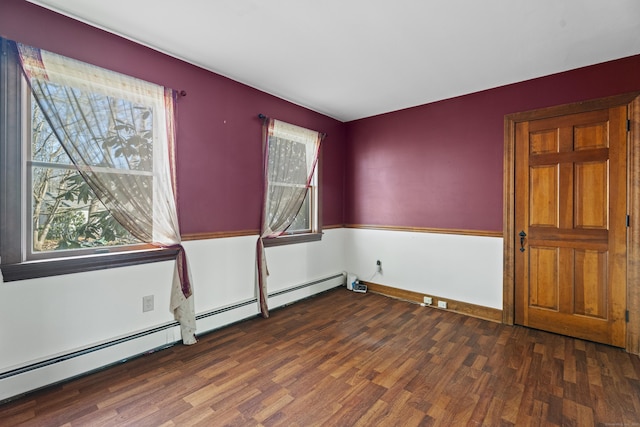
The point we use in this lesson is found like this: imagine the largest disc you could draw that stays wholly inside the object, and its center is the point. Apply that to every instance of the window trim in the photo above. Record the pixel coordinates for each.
(13, 263)
(59, 266)
(290, 239)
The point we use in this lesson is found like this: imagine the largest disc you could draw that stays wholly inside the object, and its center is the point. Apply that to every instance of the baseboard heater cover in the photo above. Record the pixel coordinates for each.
(305, 285)
(82, 352)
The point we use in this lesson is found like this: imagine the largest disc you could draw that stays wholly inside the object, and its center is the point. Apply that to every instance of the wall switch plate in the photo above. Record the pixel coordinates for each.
(442, 304)
(428, 300)
(147, 303)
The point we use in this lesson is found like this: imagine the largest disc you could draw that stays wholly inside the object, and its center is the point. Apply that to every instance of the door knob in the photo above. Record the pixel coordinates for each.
(522, 235)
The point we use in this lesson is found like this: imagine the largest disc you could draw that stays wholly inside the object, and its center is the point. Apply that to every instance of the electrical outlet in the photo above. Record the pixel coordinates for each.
(147, 303)
(428, 300)
(379, 266)
(442, 304)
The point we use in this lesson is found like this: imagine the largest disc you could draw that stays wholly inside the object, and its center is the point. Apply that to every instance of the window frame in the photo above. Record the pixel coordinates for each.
(315, 235)
(29, 254)
(14, 264)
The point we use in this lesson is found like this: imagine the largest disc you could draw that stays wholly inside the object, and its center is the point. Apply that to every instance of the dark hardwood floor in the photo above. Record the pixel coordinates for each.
(346, 359)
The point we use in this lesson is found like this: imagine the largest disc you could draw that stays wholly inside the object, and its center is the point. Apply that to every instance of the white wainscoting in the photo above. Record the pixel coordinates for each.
(457, 267)
(56, 328)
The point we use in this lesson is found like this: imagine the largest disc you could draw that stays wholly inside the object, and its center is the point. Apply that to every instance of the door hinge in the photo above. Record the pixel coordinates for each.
(626, 316)
(628, 125)
(628, 220)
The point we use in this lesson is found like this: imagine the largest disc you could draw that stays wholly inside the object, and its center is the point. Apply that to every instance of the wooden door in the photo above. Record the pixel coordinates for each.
(571, 224)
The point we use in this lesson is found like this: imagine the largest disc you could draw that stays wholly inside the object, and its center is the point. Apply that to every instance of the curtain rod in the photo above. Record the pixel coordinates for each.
(263, 117)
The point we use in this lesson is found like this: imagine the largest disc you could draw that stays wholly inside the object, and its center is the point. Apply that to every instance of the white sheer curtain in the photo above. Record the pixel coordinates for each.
(118, 131)
(290, 156)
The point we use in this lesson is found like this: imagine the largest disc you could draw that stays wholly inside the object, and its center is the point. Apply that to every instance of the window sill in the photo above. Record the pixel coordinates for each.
(59, 266)
(291, 239)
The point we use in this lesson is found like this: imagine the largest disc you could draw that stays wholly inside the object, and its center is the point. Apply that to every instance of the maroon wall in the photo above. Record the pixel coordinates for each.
(439, 165)
(218, 131)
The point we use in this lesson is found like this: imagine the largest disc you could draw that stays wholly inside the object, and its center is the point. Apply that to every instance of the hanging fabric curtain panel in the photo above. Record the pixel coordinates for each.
(118, 132)
(290, 157)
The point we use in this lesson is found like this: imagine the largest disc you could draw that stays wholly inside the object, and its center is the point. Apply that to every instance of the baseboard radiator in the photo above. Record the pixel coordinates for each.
(33, 376)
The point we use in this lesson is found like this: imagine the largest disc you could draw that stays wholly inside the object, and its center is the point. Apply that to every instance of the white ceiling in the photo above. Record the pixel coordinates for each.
(351, 59)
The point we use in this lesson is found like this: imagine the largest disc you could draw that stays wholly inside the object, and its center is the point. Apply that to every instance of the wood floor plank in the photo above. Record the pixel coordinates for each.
(346, 359)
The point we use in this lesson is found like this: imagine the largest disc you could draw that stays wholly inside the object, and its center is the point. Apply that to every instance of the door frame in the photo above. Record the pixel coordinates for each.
(632, 100)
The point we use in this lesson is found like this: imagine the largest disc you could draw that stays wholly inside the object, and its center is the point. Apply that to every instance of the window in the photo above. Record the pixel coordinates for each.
(306, 220)
(81, 150)
(292, 200)
(65, 213)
